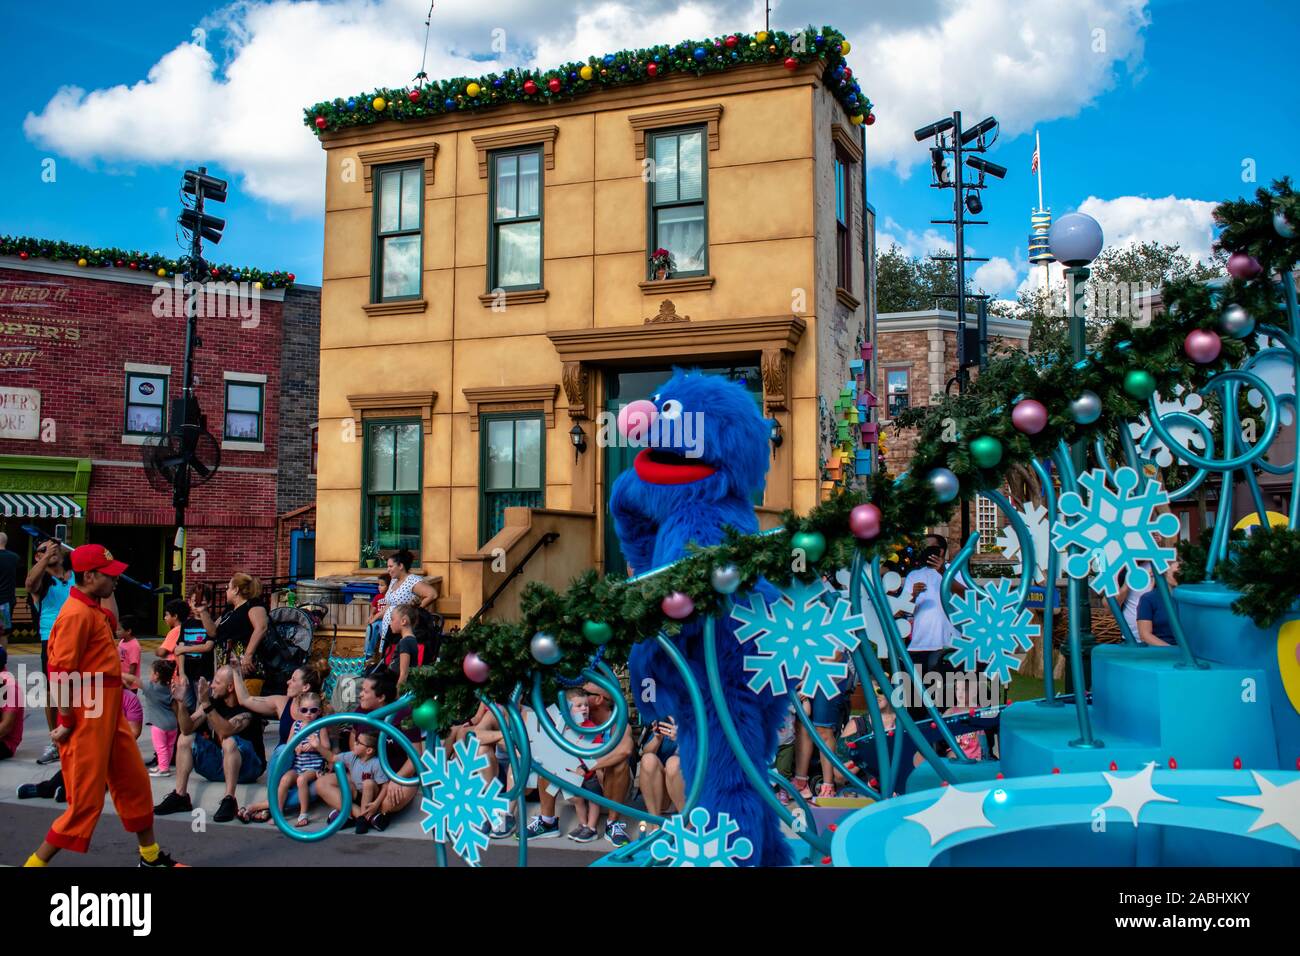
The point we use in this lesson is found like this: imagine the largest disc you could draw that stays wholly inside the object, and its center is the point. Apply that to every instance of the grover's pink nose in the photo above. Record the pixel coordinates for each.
(636, 418)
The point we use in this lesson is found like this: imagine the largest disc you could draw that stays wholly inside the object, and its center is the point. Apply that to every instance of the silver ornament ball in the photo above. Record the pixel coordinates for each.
(1086, 409)
(725, 579)
(1282, 226)
(544, 649)
(944, 484)
(1236, 322)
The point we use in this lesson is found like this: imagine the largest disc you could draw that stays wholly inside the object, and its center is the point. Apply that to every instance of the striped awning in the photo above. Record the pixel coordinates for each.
(13, 505)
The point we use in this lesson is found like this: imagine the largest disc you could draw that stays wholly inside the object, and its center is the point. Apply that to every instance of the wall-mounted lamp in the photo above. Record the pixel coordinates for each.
(579, 439)
(775, 435)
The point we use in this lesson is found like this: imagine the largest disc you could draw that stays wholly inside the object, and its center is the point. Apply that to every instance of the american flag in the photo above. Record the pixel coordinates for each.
(1033, 166)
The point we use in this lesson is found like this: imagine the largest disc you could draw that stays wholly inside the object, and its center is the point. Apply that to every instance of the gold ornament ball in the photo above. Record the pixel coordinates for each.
(379, 103)
(586, 73)
(162, 273)
(857, 119)
(771, 49)
(257, 285)
(473, 89)
(761, 36)
(81, 262)
(845, 47)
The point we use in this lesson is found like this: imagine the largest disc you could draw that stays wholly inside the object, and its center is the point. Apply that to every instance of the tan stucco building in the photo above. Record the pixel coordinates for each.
(487, 291)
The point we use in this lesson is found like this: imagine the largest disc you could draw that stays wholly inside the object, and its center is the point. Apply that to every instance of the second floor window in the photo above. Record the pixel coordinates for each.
(513, 468)
(399, 201)
(898, 389)
(243, 411)
(146, 404)
(843, 237)
(515, 243)
(677, 200)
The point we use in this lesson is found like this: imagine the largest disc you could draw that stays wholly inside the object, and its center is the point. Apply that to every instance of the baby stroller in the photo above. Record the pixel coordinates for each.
(286, 646)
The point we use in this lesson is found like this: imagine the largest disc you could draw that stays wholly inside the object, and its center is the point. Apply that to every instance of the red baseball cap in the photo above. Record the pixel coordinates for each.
(96, 557)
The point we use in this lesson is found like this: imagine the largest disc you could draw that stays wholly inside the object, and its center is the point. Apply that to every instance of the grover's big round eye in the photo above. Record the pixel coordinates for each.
(671, 409)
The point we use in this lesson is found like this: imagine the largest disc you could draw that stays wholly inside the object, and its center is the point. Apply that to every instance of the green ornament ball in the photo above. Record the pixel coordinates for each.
(811, 543)
(986, 451)
(597, 632)
(1140, 384)
(426, 715)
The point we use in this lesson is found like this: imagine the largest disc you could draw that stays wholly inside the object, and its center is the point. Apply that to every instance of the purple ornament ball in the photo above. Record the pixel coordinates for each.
(1029, 416)
(475, 668)
(1243, 266)
(678, 606)
(1202, 346)
(864, 521)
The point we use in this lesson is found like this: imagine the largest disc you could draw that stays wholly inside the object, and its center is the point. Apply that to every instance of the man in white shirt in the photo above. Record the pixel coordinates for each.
(932, 632)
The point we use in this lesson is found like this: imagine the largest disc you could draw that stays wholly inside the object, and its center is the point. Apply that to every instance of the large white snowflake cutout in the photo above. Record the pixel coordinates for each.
(1040, 532)
(899, 604)
(1115, 531)
(693, 843)
(797, 638)
(992, 628)
(1185, 402)
(460, 801)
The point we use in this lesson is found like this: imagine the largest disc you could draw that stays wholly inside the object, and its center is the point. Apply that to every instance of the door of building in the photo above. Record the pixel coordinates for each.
(302, 554)
(629, 384)
(143, 549)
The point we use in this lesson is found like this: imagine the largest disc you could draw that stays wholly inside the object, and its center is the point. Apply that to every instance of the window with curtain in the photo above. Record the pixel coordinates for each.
(512, 463)
(677, 200)
(399, 204)
(243, 411)
(146, 404)
(515, 240)
(843, 237)
(392, 485)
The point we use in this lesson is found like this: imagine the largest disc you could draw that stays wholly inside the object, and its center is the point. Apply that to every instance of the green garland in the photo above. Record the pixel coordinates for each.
(612, 70)
(1262, 566)
(102, 257)
(908, 504)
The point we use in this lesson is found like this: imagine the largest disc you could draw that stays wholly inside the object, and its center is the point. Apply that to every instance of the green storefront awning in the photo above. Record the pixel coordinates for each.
(14, 505)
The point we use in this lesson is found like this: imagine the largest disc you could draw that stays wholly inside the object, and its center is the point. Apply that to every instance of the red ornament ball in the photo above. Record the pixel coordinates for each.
(530, 87)
(320, 122)
(1243, 266)
(791, 63)
(870, 120)
(848, 73)
(653, 69)
(414, 96)
(22, 255)
(119, 263)
(731, 42)
(135, 265)
(1202, 346)
(289, 277)
(553, 85)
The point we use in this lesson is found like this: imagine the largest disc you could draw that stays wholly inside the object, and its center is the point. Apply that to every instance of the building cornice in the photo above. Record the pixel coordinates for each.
(926, 321)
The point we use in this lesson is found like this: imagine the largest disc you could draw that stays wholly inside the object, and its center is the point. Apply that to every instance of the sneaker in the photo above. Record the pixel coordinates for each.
(160, 773)
(164, 861)
(379, 822)
(348, 824)
(506, 829)
(226, 810)
(362, 825)
(151, 762)
(583, 835)
(60, 795)
(538, 828)
(28, 791)
(49, 755)
(173, 803)
(616, 833)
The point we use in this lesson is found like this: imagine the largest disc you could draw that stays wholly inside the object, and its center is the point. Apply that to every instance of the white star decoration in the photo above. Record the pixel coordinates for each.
(1131, 794)
(954, 811)
(1277, 805)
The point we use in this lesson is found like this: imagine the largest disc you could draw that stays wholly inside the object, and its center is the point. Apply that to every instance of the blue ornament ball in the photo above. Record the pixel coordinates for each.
(700, 53)
(944, 484)
(352, 104)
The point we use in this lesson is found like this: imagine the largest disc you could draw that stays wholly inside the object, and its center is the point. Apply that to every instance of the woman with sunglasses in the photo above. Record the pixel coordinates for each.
(281, 707)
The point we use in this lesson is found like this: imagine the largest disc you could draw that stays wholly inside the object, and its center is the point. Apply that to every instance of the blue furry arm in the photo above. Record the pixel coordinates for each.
(636, 530)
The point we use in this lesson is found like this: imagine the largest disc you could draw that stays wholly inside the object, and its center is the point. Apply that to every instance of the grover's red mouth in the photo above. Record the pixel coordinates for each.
(658, 467)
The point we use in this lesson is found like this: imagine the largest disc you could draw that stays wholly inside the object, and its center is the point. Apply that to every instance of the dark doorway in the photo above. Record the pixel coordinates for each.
(142, 550)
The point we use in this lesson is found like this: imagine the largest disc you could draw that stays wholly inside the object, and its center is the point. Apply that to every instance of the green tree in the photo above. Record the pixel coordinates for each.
(913, 283)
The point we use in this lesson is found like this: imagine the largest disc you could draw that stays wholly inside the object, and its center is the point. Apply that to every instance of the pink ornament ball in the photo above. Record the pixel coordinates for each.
(1243, 266)
(475, 668)
(635, 419)
(1202, 346)
(1029, 416)
(864, 521)
(678, 606)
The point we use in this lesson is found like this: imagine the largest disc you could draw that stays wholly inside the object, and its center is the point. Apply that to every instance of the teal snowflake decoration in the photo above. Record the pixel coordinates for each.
(693, 843)
(992, 626)
(1115, 531)
(459, 800)
(797, 638)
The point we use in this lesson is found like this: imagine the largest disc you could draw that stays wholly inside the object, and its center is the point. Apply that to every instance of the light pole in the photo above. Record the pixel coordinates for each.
(1076, 240)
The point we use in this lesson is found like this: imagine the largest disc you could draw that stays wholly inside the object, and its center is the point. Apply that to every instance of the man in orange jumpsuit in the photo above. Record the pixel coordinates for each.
(96, 748)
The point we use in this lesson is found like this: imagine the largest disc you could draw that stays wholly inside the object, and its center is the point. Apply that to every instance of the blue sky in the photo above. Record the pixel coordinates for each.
(1145, 133)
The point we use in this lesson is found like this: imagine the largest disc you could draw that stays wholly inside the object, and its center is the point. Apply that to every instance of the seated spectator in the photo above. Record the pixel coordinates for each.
(302, 682)
(483, 725)
(614, 770)
(378, 607)
(970, 744)
(11, 709)
(366, 776)
(783, 763)
(1153, 623)
(587, 811)
(308, 757)
(156, 696)
(659, 772)
(221, 740)
(377, 691)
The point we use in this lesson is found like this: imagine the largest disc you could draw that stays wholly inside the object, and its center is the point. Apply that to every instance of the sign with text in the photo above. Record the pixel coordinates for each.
(20, 413)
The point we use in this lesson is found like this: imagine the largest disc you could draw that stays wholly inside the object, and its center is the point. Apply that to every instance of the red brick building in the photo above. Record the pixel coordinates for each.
(90, 361)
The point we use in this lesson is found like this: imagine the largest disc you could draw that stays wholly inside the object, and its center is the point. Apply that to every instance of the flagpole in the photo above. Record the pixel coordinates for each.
(1038, 151)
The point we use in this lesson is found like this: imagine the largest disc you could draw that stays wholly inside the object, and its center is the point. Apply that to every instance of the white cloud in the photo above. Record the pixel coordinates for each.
(996, 275)
(1134, 219)
(1024, 60)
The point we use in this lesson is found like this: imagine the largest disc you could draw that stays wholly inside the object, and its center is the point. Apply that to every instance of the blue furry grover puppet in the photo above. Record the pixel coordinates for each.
(706, 458)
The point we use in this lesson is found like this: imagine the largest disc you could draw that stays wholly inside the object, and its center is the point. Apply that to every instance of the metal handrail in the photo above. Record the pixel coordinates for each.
(542, 542)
